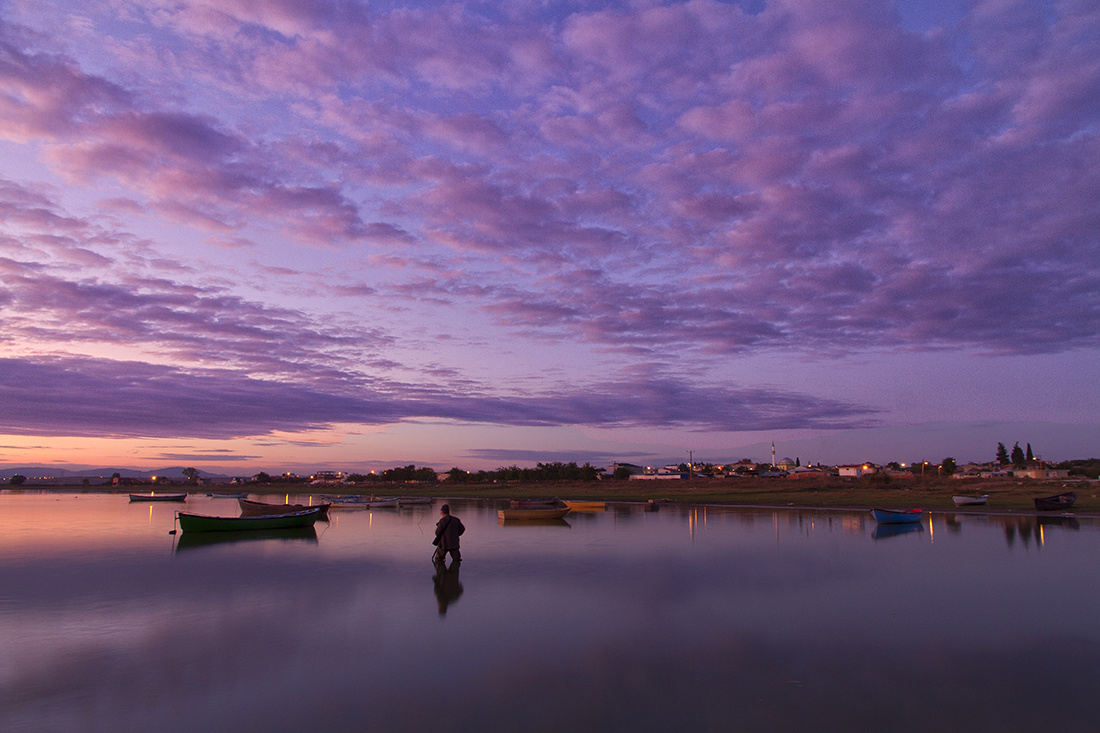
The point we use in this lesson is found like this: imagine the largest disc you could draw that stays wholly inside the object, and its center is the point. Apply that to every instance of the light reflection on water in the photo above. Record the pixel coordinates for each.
(683, 618)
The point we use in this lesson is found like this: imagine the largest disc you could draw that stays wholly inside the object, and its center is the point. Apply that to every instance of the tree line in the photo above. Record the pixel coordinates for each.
(554, 471)
(1018, 456)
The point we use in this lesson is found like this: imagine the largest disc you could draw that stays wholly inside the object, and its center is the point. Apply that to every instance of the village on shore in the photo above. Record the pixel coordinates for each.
(1019, 463)
(782, 481)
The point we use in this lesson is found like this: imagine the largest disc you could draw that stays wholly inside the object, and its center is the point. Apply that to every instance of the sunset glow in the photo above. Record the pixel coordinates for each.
(287, 236)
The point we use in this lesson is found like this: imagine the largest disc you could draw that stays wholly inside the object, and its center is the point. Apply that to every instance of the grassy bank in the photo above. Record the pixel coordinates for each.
(1015, 495)
(927, 493)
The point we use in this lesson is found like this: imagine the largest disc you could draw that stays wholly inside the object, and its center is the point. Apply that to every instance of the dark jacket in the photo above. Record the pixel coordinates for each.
(447, 531)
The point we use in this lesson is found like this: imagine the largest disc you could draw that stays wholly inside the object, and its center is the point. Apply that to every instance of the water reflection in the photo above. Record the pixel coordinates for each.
(1066, 522)
(191, 540)
(700, 618)
(447, 586)
(884, 531)
(559, 522)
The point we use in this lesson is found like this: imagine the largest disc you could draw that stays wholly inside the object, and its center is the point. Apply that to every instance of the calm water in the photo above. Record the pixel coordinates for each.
(682, 619)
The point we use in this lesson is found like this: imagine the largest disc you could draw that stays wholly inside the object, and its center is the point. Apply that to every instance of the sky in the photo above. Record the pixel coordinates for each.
(352, 235)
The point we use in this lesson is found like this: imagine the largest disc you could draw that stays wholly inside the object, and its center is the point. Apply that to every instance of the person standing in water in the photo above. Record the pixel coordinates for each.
(447, 531)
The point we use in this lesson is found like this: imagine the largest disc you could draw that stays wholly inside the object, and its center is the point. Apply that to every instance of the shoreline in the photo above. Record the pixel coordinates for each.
(1005, 496)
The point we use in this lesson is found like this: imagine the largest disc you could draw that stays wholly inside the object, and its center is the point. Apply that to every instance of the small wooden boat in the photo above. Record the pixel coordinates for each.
(358, 502)
(159, 497)
(227, 494)
(413, 500)
(897, 516)
(533, 513)
(970, 500)
(532, 503)
(1054, 503)
(204, 523)
(260, 509)
(586, 506)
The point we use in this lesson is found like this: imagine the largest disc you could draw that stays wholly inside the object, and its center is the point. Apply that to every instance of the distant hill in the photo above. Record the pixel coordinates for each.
(171, 472)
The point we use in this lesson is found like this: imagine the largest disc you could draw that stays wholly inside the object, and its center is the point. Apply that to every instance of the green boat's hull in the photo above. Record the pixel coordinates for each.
(203, 523)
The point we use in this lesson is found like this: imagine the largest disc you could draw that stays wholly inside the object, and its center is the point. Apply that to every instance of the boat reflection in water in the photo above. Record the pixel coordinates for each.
(694, 618)
(191, 540)
(533, 523)
(1067, 522)
(882, 531)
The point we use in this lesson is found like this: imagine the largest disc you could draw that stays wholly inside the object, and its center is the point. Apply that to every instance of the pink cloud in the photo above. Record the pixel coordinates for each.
(643, 179)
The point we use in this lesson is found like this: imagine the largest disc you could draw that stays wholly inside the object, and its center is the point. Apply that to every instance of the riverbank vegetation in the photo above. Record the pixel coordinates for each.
(833, 492)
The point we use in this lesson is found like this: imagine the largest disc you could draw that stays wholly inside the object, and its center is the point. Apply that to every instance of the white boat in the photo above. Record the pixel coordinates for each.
(970, 500)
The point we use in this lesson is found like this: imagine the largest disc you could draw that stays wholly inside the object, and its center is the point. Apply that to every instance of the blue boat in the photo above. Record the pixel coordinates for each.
(897, 516)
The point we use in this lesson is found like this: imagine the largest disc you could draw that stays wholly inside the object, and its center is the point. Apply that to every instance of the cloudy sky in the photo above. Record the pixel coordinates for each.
(350, 234)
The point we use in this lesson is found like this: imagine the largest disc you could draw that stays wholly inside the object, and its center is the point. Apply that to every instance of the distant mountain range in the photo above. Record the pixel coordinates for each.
(171, 472)
(965, 441)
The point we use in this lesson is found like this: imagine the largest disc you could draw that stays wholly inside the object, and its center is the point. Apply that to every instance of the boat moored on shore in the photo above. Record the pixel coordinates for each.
(533, 513)
(970, 500)
(251, 508)
(360, 502)
(897, 516)
(204, 523)
(586, 506)
(533, 503)
(1056, 502)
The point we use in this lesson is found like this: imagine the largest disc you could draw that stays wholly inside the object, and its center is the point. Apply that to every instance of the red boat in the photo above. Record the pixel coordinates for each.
(260, 509)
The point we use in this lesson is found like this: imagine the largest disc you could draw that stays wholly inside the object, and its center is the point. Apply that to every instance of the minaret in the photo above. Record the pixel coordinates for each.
(773, 454)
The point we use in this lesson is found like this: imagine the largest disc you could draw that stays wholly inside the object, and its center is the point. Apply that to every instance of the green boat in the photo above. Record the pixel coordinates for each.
(203, 523)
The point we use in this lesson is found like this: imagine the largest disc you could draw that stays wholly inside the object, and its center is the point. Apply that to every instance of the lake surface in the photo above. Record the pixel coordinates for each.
(692, 619)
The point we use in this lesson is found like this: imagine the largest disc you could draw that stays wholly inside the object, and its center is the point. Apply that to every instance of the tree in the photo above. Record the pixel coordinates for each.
(621, 472)
(948, 466)
(589, 472)
(1018, 455)
(17, 479)
(1002, 454)
(1030, 455)
(191, 474)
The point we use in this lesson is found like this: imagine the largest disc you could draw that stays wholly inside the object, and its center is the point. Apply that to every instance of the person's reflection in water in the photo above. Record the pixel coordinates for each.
(447, 587)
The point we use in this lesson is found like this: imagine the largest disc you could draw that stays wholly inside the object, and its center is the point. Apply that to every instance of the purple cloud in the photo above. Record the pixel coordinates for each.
(98, 397)
(628, 181)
